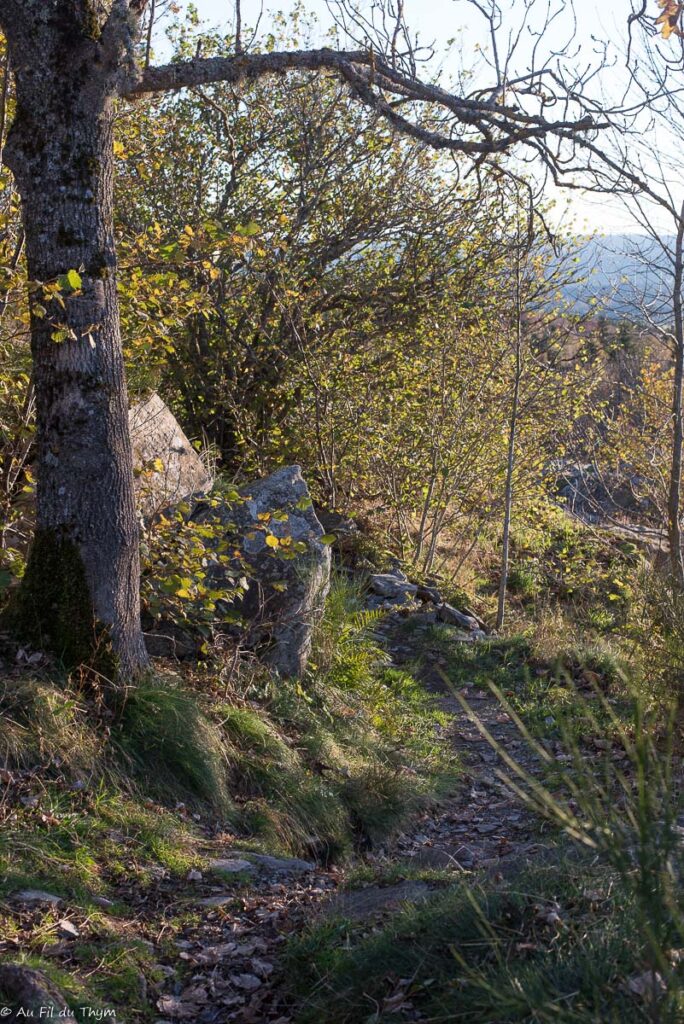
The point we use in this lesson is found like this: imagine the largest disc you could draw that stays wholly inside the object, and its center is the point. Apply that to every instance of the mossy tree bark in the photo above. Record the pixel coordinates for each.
(81, 590)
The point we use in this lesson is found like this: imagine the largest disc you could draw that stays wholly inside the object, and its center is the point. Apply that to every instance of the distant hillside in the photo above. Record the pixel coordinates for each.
(628, 275)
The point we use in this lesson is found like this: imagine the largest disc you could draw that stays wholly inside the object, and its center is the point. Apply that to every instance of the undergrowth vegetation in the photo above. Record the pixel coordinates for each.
(108, 799)
(590, 932)
(554, 947)
(592, 929)
(99, 801)
(341, 757)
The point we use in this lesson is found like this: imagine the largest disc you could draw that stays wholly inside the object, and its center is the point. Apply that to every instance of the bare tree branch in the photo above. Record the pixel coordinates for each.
(550, 109)
(493, 126)
(238, 27)
(150, 29)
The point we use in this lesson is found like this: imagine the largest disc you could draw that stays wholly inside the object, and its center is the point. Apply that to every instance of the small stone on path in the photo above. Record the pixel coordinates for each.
(217, 901)
(37, 896)
(67, 929)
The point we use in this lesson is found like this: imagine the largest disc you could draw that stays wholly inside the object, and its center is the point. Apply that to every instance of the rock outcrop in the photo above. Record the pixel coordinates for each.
(167, 469)
(32, 993)
(392, 584)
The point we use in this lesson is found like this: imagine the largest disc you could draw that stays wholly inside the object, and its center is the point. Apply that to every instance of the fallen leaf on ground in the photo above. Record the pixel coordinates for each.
(248, 982)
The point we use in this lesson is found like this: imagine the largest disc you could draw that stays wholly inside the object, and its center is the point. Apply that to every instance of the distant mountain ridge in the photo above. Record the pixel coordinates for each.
(627, 276)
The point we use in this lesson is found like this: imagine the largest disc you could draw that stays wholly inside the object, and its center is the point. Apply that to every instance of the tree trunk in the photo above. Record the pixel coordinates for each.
(510, 460)
(675, 491)
(80, 594)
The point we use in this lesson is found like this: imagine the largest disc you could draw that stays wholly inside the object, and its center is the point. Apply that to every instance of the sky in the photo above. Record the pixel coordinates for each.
(434, 19)
(437, 21)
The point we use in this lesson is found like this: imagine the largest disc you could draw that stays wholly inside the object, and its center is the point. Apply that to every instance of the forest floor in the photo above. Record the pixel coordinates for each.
(234, 947)
(200, 925)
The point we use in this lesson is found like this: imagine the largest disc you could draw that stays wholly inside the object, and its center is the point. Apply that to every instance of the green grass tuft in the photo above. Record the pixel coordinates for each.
(169, 741)
(481, 954)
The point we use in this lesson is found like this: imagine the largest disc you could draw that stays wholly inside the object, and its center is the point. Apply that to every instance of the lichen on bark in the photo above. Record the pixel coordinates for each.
(91, 21)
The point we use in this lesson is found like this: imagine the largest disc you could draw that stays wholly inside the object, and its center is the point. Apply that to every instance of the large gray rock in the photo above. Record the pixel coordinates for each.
(167, 467)
(288, 585)
(374, 900)
(37, 896)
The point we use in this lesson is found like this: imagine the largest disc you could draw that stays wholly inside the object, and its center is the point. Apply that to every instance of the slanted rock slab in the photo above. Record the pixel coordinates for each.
(168, 469)
(429, 595)
(392, 584)
(447, 613)
(360, 904)
(217, 901)
(32, 992)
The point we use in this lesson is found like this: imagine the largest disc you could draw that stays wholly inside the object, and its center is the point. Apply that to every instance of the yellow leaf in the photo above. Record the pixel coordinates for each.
(272, 541)
(669, 18)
